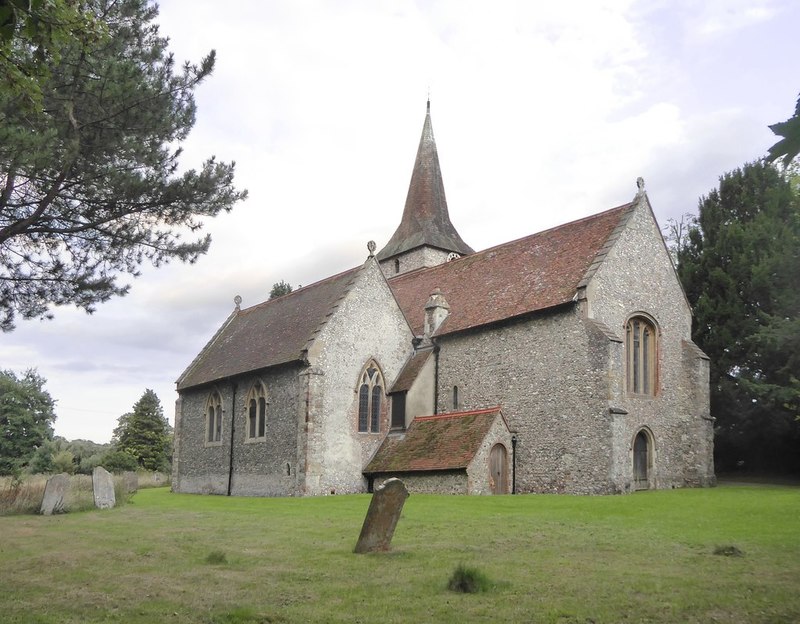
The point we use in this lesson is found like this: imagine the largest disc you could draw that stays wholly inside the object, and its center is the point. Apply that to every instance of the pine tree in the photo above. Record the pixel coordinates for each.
(279, 289)
(89, 182)
(145, 433)
(741, 272)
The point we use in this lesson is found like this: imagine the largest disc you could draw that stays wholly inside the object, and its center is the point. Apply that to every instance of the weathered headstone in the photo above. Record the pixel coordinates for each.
(103, 488)
(382, 516)
(131, 481)
(55, 491)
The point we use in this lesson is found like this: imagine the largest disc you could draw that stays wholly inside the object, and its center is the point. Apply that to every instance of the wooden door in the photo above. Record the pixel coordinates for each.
(498, 469)
(641, 461)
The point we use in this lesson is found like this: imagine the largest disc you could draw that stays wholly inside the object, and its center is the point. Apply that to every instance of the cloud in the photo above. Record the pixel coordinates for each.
(543, 112)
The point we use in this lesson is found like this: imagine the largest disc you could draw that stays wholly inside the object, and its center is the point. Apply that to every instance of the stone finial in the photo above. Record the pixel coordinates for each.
(436, 311)
(640, 184)
(371, 247)
(237, 301)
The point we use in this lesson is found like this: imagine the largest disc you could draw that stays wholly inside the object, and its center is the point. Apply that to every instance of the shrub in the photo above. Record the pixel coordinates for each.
(216, 557)
(119, 462)
(729, 551)
(468, 580)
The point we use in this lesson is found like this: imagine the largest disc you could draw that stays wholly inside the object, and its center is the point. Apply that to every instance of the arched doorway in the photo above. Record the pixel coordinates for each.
(498, 469)
(641, 461)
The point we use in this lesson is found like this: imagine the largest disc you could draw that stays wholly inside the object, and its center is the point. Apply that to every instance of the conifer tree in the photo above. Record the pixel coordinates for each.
(89, 180)
(741, 271)
(145, 433)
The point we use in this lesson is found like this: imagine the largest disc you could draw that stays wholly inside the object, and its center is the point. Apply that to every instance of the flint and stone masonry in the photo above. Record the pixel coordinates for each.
(537, 328)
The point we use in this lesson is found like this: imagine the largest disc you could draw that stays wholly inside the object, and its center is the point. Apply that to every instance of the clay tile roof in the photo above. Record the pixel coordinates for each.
(410, 371)
(271, 333)
(533, 273)
(426, 220)
(441, 442)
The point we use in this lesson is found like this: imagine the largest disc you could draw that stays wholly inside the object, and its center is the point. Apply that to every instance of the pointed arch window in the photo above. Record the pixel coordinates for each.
(370, 399)
(257, 412)
(214, 419)
(640, 356)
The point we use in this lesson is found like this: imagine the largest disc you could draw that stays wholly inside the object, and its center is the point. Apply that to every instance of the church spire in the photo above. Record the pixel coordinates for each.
(426, 220)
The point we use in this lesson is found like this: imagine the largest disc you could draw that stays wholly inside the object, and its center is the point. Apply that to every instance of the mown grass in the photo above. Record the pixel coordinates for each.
(648, 557)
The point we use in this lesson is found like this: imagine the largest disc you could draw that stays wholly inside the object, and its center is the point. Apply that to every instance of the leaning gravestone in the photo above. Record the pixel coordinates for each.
(103, 488)
(382, 516)
(55, 491)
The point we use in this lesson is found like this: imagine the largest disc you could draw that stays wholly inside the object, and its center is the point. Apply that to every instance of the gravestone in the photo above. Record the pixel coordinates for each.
(382, 516)
(55, 491)
(131, 481)
(103, 488)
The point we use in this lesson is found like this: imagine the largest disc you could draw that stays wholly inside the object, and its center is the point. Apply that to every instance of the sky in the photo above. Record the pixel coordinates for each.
(543, 112)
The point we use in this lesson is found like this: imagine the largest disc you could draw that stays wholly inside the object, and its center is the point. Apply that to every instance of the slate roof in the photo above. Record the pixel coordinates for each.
(271, 333)
(426, 220)
(440, 442)
(526, 275)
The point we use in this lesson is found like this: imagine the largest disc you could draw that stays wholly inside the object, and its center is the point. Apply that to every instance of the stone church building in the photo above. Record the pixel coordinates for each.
(559, 362)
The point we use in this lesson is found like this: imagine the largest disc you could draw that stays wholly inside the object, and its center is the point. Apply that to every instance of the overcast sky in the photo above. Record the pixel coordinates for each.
(543, 112)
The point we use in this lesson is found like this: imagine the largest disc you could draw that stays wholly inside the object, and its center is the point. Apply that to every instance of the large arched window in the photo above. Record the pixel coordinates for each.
(257, 412)
(370, 397)
(640, 356)
(214, 418)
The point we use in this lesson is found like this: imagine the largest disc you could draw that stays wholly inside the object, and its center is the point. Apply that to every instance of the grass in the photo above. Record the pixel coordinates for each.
(648, 557)
(25, 496)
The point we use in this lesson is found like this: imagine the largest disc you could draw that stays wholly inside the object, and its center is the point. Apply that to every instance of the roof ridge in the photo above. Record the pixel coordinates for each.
(476, 255)
(444, 415)
(300, 290)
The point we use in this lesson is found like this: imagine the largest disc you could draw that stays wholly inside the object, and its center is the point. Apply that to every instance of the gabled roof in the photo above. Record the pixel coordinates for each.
(410, 371)
(426, 220)
(441, 442)
(534, 273)
(271, 333)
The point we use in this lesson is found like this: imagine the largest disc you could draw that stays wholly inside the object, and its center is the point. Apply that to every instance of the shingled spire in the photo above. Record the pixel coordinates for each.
(426, 225)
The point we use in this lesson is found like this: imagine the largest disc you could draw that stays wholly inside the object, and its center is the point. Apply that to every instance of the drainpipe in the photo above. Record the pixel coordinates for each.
(233, 421)
(435, 377)
(514, 463)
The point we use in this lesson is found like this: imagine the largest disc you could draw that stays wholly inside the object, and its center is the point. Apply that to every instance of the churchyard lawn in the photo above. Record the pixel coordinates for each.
(647, 557)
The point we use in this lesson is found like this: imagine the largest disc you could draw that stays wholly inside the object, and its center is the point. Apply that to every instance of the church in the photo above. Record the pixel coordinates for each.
(559, 362)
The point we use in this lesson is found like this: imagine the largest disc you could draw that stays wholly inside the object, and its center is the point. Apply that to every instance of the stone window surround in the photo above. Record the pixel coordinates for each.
(653, 356)
(372, 382)
(214, 402)
(257, 391)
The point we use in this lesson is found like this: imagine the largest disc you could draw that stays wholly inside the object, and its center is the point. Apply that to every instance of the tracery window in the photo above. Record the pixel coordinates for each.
(257, 412)
(370, 397)
(214, 418)
(640, 356)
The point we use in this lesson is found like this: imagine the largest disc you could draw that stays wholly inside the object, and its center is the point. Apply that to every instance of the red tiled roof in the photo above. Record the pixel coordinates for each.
(271, 333)
(529, 274)
(441, 442)
(410, 371)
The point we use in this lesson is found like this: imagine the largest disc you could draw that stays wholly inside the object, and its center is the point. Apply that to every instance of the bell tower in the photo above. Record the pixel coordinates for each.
(426, 236)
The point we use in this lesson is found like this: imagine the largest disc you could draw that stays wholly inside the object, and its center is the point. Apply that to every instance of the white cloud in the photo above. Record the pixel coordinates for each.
(543, 112)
